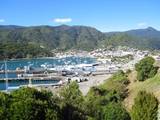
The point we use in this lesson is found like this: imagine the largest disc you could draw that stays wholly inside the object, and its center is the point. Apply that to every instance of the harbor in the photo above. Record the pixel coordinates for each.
(41, 72)
(58, 71)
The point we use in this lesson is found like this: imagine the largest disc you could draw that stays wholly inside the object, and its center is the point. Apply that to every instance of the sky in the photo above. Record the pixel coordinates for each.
(105, 15)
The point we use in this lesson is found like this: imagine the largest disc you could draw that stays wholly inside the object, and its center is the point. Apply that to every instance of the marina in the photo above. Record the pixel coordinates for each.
(56, 71)
(41, 72)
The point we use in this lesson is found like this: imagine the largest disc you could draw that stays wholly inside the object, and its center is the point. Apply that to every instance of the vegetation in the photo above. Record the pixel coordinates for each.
(110, 94)
(11, 50)
(102, 102)
(117, 84)
(61, 37)
(18, 42)
(141, 38)
(115, 111)
(28, 104)
(145, 69)
(145, 107)
(72, 103)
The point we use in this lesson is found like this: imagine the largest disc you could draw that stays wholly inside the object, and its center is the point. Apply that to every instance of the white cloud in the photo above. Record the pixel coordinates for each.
(62, 20)
(2, 20)
(142, 24)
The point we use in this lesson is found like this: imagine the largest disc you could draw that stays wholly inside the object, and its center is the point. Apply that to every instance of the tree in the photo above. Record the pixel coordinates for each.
(145, 107)
(72, 102)
(4, 105)
(31, 104)
(145, 69)
(94, 102)
(115, 111)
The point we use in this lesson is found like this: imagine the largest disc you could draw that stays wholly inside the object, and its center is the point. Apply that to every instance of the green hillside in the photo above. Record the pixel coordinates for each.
(61, 37)
(70, 37)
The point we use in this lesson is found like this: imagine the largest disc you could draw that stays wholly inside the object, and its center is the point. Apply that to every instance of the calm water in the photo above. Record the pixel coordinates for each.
(13, 64)
(16, 83)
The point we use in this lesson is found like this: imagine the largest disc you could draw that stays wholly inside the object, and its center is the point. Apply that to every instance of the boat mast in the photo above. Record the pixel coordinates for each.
(6, 75)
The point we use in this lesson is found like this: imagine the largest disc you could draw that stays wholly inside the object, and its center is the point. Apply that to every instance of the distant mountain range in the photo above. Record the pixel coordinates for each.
(148, 38)
(79, 37)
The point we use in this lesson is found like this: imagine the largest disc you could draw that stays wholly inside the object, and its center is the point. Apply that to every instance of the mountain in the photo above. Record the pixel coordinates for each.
(148, 38)
(61, 37)
(10, 27)
(149, 32)
(66, 37)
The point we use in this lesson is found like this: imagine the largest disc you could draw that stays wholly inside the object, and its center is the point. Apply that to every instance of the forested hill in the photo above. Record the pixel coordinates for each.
(148, 38)
(65, 37)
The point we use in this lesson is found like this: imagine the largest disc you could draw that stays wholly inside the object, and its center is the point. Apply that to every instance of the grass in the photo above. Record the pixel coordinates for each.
(150, 85)
(116, 82)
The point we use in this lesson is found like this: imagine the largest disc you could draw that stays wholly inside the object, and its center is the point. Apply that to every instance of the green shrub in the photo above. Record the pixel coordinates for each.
(115, 111)
(4, 106)
(145, 107)
(145, 69)
(72, 102)
(31, 104)
(117, 84)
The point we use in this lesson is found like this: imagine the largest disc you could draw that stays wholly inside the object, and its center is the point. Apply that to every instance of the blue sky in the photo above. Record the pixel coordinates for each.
(105, 15)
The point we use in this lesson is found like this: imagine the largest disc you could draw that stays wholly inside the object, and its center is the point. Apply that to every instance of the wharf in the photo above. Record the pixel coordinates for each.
(35, 78)
(11, 71)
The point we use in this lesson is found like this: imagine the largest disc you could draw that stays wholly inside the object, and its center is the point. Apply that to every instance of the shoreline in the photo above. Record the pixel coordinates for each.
(60, 57)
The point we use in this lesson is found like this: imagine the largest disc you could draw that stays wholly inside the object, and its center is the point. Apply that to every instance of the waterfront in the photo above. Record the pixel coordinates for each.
(37, 63)
(21, 63)
(13, 64)
(98, 67)
(19, 83)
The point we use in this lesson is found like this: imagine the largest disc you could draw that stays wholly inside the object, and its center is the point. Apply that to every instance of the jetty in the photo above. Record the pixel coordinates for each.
(12, 71)
(35, 78)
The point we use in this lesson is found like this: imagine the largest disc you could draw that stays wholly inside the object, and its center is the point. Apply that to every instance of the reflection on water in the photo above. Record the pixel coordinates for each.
(13, 64)
(15, 83)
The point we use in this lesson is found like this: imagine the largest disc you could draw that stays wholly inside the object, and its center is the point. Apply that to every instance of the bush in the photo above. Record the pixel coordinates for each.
(117, 84)
(145, 107)
(128, 71)
(145, 69)
(30, 104)
(72, 103)
(115, 111)
(4, 106)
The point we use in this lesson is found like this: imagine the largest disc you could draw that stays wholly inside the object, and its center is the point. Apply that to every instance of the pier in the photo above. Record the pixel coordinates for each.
(12, 71)
(35, 78)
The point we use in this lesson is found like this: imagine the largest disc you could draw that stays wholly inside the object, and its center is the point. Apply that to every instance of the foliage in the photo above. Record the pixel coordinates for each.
(128, 71)
(148, 38)
(21, 50)
(4, 106)
(18, 42)
(61, 37)
(114, 90)
(29, 104)
(95, 100)
(145, 107)
(117, 84)
(72, 102)
(115, 111)
(145, 69)
(102, 102)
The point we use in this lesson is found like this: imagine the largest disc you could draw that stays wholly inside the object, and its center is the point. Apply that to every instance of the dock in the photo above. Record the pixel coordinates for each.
(11, 71)
(34, 78)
